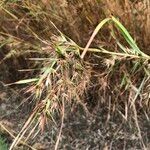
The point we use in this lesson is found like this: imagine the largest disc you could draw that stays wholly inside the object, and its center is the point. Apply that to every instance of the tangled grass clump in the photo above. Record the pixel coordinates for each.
(65, 77)
(61, 80)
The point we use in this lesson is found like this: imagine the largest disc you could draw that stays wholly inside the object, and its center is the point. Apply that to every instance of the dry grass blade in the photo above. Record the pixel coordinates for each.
(100, 25)
(61, 127)
(22, 142)
(23, 130)
(126, 36)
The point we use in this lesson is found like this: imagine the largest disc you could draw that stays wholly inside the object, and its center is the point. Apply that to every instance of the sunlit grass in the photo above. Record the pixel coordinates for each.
(63, 76)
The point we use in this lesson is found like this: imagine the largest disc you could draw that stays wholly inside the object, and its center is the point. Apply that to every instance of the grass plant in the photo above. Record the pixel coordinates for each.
(3, 144)
(64, 71)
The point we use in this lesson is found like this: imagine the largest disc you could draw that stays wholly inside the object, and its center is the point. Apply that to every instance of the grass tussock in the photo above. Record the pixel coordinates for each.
(111, 73)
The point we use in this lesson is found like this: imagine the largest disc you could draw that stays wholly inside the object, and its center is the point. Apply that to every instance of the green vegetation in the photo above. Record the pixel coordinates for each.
(3, 144)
